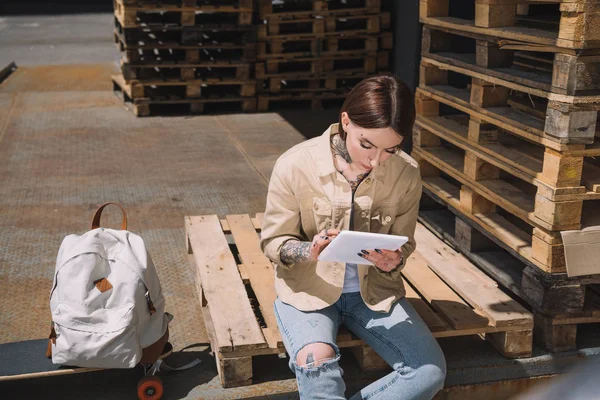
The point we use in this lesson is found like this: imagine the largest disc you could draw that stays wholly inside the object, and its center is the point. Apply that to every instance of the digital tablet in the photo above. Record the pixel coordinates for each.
(346, 246)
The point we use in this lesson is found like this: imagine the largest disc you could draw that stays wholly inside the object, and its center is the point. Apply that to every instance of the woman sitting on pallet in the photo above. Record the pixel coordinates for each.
(355, 177)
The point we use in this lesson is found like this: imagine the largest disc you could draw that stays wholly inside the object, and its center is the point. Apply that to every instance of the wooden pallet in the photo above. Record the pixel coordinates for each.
(196, 89)
(142, 107)
(506, 205)
(553, 72)
(452, 297)
(327, 47)
(321, 27)
(494, 193)
(481, 135)
(559, 303)
(144, 15)
(267, 9)
(568, 108)
(558, 176)
(173, 36)
(291, 84)
(154, 53)
(315, 66)
(573, 26)
(187, 71)
(565, 119)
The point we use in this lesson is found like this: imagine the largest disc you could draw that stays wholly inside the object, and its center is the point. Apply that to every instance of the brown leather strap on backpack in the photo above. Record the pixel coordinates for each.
(98, 214)
(51, 340)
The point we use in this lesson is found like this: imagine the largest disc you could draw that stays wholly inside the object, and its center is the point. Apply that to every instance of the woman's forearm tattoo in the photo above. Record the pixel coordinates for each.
(295, 251)
(339, 148)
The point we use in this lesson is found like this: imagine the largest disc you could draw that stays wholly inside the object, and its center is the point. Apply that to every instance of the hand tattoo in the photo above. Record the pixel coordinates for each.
(295, 251)
(339, 148)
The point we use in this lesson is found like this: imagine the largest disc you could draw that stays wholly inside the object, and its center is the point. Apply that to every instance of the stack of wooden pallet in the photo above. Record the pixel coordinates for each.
(313, 52)
(506, 138)
(185, 56)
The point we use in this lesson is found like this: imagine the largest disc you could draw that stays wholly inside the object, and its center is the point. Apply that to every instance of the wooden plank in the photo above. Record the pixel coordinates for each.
(459, 263)
(225, 226)
(490, 257)
(431, 319)
(235, 325)
(259, 269)
(440, 296)
(466, 280)
(520, 34)
(517, 344)
(243, 273)
(485, 74)
(259, 219)
(232, 371)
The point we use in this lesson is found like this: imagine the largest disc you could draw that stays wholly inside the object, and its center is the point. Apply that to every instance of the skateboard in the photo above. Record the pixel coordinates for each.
(26, 360)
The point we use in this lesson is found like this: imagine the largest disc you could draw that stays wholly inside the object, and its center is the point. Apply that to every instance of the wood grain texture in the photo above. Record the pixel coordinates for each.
(235, 325)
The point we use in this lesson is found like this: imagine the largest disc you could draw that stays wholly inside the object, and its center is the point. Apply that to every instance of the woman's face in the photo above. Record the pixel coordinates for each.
(369, 148)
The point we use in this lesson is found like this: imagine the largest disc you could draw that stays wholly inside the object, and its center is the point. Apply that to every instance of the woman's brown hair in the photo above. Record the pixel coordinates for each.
(380, 101)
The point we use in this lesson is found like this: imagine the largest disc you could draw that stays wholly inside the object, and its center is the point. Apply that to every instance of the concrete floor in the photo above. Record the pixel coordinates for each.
(67, 145)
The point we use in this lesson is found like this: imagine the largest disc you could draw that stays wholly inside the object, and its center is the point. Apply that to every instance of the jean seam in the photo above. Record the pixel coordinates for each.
(287, 334)
(382, 388)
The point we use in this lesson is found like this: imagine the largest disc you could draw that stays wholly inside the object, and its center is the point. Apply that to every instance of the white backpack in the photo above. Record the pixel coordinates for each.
(106, 301)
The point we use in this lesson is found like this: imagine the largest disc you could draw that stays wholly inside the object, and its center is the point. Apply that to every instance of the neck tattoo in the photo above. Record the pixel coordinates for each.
(343, 161)
(355, 182)
(339, 148)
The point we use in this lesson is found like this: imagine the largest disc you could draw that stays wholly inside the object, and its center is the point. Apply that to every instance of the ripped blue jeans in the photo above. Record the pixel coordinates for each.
(400, 337)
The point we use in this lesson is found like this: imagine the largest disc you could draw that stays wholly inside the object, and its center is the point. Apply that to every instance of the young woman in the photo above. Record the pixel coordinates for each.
(355, 177)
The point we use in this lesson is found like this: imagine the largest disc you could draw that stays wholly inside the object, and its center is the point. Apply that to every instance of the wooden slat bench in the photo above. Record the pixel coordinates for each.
(450, 294)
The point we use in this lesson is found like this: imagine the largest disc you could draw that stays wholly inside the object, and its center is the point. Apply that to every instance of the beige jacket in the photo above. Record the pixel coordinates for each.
(307, 194)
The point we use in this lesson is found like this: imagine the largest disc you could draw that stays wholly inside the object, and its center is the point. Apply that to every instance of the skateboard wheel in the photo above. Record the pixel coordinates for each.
(150, 387)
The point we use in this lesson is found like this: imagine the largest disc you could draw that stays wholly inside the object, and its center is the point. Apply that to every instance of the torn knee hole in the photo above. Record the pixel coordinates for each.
(315, 354)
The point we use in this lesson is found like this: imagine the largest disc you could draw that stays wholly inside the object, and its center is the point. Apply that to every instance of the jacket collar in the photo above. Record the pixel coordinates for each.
(324, 156)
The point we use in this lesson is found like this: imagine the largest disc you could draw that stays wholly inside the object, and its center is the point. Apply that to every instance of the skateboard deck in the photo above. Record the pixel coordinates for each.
(27, 359)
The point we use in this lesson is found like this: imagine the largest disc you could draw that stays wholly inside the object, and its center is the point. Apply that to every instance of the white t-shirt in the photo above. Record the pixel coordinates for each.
(351, 283)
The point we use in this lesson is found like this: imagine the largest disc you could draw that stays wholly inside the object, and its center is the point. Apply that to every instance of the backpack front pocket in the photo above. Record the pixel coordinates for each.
(95, 338)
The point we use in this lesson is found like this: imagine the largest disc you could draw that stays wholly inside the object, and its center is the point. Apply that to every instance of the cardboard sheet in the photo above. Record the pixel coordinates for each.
(582, 251)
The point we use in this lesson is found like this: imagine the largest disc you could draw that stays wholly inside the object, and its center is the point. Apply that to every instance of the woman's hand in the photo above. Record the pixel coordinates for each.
(385, 260)
(320, 241)
(294, 251)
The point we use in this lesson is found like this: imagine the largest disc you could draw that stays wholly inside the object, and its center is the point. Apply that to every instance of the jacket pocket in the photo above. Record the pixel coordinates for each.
(95, 338)
(322, 212)
(382, 220)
